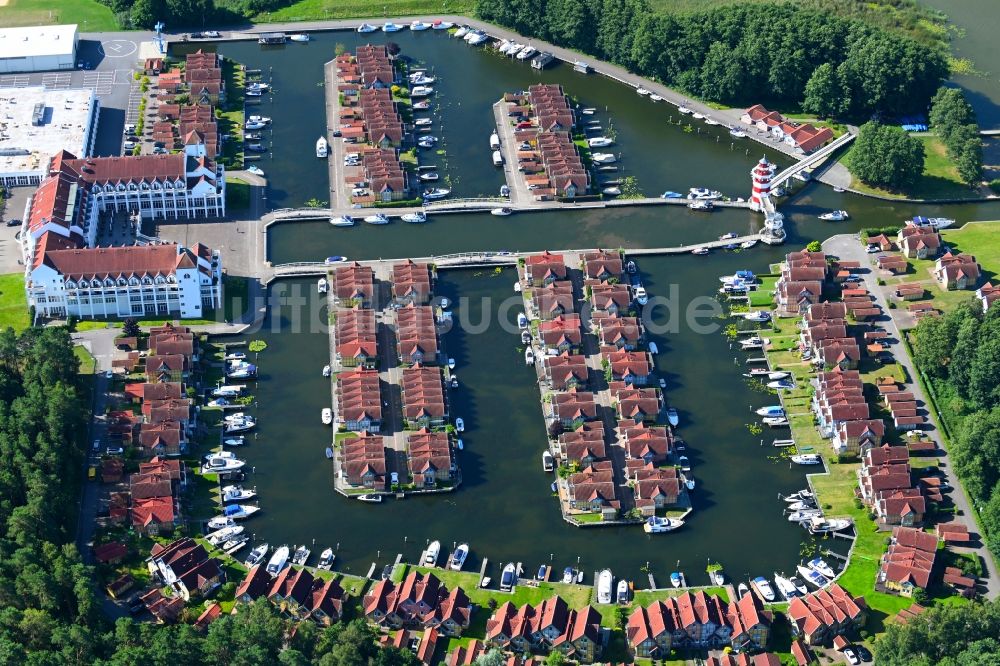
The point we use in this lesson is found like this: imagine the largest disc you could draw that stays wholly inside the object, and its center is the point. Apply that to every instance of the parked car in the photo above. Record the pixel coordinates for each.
(394, 478)
(212, 34)
(115, 450)
(852, 656)
(13, 222)
(129, 145)
(160, 151)
(97, 445)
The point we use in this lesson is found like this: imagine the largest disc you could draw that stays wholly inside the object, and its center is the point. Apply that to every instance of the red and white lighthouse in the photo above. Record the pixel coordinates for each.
(761, 174)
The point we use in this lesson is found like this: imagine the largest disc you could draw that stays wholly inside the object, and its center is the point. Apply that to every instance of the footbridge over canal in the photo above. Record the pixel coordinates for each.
(480, 259)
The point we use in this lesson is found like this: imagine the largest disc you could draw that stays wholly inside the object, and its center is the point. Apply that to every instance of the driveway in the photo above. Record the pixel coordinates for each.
(850, 248)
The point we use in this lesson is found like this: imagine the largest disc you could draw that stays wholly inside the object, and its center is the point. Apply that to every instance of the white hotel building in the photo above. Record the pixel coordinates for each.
(66, 274)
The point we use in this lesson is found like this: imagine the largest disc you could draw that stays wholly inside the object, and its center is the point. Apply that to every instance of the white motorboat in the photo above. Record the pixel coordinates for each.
(438, 24)
(775, 421)
(677, 579)
(742, 590)
(800, 496)
(220, 522)
(700, 251)
(641, 297)
(260, 119)
(685, 463)
(436, 193)
(759, 316)
(239, 440)
(255, 170)
(813, 577)
(683, 110)
(672, 417)
(497, 158)
(258, 85)
(423, 122)
(782, 385)
(326, 559)
(256, 556)
(604, 158)
(421, 91)
(501, 212)
(804, 515)
(623, 594)
(422, 105)
(426, 141)
(820, 525)
(604, 584)
(698, 116)
(220, 465)
(451, 364)
(366, 27)
(415, 218)
(737, 134)
(703, 194)
(763, 588)
(326, 416)
(462, 31)
(299, 37)
(807, 459)
(718, 576)
(526, 53)
(529, 356)
(301, 555)
(228, 391)
(278, 561)
(800, 587)
(432, 553)
(343, 221)
(236, 356)
(236, 544)
(817, 564)
(522, 321)
(785, 587)
(327, 370)
(418, 26)
(459, 424)
(508, 578)
(600, 142)
(460, 444)
(658, 525)
(612, 191)
(322, 285)
(932, 222)
(377, 219)
(835, 216)
(747, 244)
(458, 557)
(322, 147)
(642, 92)
(223, 535)
(237, 494)
(711, 121)
(445, 303)
(429, 176)
(653, 349)
(253, 125)
(701, 205)
(389, 26)
(771, 410)
(371, 498)
(548, 462)
(238, 511)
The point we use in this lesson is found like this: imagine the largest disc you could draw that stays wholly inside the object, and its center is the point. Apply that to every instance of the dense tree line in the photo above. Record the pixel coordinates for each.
(744, 53)
(886, 156)
(944, 636)
(960, 354)
(953, 119)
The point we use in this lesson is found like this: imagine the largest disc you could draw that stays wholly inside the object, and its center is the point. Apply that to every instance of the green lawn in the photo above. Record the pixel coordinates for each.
(88, 364)
(979, 239)
(13, 301)
(939, 179)
(237, 193)
(313, 10)
(91, 16)
(230, 118)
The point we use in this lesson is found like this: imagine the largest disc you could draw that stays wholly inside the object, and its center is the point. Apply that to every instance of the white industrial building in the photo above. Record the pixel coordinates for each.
(37, 123)
(38, 48)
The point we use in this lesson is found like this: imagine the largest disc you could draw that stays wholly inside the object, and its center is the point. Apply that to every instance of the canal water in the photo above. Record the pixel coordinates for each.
(504, 508)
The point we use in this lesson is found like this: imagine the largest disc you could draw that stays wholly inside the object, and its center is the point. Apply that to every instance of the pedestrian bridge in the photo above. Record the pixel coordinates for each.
(812, 160)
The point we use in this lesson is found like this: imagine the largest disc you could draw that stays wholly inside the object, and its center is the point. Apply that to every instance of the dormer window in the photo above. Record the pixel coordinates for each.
(121, 282)
(70, 284)
(95, 283)
(108, 282)
(147, 280)
(134, 281)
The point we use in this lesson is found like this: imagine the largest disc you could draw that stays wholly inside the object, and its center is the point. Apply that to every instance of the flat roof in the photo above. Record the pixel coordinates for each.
(66, 125)
(35, 41)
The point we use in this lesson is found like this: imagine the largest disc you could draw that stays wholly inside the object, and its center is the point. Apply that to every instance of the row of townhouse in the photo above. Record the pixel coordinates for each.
(185, 567)
(421, 600)
(355, 338)
(800, 284)
(804, 137)
(353, 286)
(549, 626)
(908, 563)
(424, 404)
(359, 400)
(180, 125)
(296, 592)
(416, 335)
(906, 412)
(818, 618)
(697, 621)
(838, 399)
(887, 487)
(153, 501)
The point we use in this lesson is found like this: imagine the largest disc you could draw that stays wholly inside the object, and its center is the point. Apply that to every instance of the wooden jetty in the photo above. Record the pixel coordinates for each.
(482, 572)
(371, 571)
(780, 443)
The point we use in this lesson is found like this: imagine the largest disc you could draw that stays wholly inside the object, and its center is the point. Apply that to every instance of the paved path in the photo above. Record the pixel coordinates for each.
(849, 248)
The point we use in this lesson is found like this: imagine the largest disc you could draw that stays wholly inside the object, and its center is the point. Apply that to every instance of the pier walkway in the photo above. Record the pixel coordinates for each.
(476, 259)
(813, 160)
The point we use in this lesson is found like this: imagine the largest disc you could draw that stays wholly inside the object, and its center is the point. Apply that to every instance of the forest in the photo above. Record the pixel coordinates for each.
(959, 354)
(944, 636)
(744, 54)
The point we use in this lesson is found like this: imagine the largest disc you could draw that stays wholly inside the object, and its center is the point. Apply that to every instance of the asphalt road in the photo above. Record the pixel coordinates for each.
(849, 248)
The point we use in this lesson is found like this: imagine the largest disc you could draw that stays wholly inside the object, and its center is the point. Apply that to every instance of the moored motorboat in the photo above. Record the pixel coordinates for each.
(641, 297)
(322, 147)
(622, 595)
(763, 588)
(804, 515)
(301, 555)
(366, 27)
(612, 191)
(604, 583)
(677, 579)
(389, 26)
(432, 553)
(701, 205)
(529, 356)
(237, 494)
(522, 321)
(747, 244)
(737, 133)
(800, 587)
(700, 251)
(372, 498)
(417, 26)
(659, 525)
(672, 417)
(813, 577)
(835, 216)
(299, 37)
(458, 557)
(683, 110)
(807, 459)
(436, 193)
(415, 218)
(322, 286)
(717, 575)
(326, 416)
(508, 578)
(742, 590)
(377, 219)
(234, 545)
(256, 556)
(343, 221)
(785, 587)
(820, 525)
(771, 410)
(818, 564)
(223, 535)
(459, 424)
(278, 561)
(759, 316)
(548, 462)
(600, 142)
(604, 158)
(326, 559)
(255, 170)
(501, 212)
(239, 440)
